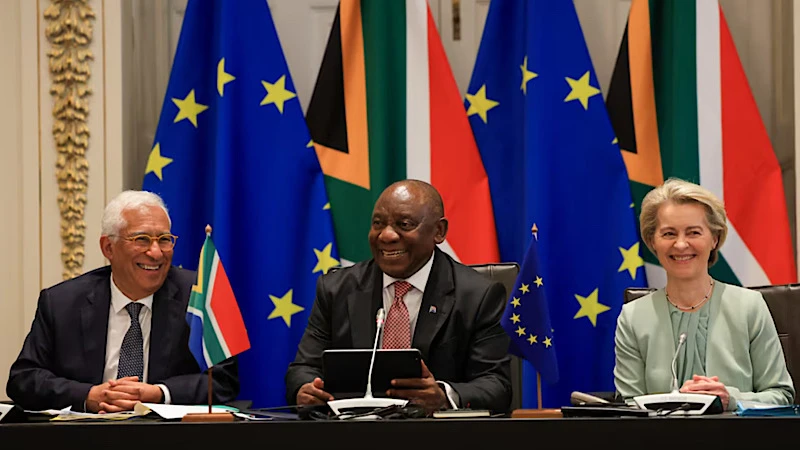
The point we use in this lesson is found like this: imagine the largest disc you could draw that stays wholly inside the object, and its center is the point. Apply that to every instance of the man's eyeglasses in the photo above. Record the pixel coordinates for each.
(143, 242)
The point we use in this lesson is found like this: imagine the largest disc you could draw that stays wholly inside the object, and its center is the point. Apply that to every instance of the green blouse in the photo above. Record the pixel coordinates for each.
(691, 358)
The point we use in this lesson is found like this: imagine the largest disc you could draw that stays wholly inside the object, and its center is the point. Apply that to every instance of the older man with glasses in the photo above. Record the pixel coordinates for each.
(118, 335)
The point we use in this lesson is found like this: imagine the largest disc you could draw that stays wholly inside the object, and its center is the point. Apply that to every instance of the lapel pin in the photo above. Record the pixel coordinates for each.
(432, 309)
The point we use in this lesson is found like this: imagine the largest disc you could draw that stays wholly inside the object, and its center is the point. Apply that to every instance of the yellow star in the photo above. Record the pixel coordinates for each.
(223, 77)
(277, 93)
(590, 307)
(188, 109)
(631, 260)
(515, 318)
(532, 339)
(156, 162)
(538, 281)
(284, 308)
(524, 288)
(548, 342)
(324, 259)
(527, 75)
(615, 141)
(520, 331)
(515, 302)
(479, 104)
(327, 206)
(581, 90)
(310, 143)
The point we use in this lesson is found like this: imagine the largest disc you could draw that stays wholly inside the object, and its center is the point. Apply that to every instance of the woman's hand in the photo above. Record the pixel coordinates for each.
(700, 384)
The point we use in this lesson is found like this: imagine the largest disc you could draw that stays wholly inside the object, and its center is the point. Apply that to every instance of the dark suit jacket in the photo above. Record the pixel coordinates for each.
(462, 344)
(64, 354)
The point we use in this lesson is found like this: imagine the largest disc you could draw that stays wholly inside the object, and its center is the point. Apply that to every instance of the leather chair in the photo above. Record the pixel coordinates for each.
(506, 273)
(783, 302)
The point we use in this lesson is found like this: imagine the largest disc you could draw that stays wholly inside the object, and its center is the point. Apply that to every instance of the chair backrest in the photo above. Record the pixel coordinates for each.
(783, 302)
(506, 273)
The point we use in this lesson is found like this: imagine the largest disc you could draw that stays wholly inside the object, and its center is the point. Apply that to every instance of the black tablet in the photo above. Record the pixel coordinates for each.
(345, 370)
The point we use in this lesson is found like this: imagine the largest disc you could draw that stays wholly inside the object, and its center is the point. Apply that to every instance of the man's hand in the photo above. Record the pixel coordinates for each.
(101, 394)
(423, 391)
(707, 385)
(313, 393)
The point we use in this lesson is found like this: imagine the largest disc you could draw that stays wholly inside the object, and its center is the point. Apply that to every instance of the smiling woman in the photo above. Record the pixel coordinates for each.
(731, 347)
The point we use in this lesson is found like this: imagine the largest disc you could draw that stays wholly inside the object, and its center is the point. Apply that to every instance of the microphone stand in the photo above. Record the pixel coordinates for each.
(676, 402)
(355, 407)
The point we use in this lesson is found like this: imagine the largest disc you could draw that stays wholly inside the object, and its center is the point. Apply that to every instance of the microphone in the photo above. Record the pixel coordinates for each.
(676, 401)
(681, 340)
(364, 408)
(379, 318)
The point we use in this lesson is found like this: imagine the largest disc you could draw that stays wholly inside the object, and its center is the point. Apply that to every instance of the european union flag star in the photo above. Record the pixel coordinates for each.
(284, 308)
(524, 288)
(479, 104)
(527, 75)
(156, 162)
(277, 93)
(324, 259)
(581, 90)
(188, 108)
(223, 77)
(590, 307)
(631, 260)
(538, 282)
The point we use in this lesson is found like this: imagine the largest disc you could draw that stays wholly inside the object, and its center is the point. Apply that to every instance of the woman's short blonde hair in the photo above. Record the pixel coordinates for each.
(682, 192)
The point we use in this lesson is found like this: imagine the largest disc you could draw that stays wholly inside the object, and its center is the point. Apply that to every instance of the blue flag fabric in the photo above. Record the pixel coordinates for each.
(551, 156)
(527, 318)
(232, 150)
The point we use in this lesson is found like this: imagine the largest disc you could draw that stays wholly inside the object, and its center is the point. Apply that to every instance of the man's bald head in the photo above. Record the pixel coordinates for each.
(407, 224)
(424, 191)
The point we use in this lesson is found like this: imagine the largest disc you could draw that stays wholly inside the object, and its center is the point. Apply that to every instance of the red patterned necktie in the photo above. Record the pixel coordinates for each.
(397, 330)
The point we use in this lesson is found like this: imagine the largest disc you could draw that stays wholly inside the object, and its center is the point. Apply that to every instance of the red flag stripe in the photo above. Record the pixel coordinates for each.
(752, 182)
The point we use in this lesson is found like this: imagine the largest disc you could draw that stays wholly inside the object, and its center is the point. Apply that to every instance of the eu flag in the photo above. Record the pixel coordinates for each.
(554, 165)
(232, 150)
(527, 318)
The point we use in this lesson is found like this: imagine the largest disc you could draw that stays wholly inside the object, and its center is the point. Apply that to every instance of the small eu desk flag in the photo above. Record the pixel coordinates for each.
(527, 318)
(553, 163)
(232, 149)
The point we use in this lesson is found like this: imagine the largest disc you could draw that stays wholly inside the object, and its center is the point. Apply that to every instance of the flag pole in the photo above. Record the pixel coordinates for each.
(538, 390)
(211, 389)
(211, 416)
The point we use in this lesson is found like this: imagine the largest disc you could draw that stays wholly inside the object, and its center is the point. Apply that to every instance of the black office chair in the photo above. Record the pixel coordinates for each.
(506, 273)
(783, 302)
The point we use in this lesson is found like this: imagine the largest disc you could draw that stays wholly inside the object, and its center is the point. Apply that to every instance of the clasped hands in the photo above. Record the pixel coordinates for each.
(424, 391)
(121, 395)
(700, 384)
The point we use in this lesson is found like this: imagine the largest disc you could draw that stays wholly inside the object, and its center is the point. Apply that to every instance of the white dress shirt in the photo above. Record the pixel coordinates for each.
(413, 301)
(119, 321)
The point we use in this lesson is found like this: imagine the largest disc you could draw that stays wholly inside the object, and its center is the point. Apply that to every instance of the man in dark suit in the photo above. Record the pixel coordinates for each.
(118, 335)
(450, 312)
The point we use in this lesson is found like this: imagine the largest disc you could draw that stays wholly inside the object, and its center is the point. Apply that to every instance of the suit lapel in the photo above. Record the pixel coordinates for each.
(94, 329)
(167, 323)
(437, 302)
(362, 317)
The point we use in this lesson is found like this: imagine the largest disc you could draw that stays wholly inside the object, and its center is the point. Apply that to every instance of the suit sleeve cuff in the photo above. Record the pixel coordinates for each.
(452, 396)
(165, 391)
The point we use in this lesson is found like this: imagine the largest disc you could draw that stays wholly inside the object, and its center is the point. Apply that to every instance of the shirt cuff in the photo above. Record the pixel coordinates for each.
(165, 391)
(452, 396)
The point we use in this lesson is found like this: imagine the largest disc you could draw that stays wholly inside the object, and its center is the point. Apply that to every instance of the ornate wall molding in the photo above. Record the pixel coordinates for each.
(69, 32)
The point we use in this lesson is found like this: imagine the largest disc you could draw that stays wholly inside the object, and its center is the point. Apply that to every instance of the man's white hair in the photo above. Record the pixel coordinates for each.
(113, 222)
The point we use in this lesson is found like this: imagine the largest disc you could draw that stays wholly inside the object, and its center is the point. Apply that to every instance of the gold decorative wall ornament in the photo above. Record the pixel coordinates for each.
(69, 32)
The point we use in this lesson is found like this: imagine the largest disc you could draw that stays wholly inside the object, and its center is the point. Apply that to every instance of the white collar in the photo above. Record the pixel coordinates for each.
(120, 300)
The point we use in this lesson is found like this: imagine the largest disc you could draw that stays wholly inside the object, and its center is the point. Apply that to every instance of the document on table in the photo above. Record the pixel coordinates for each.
(170, 412)
(756, 409)
(67, 415)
